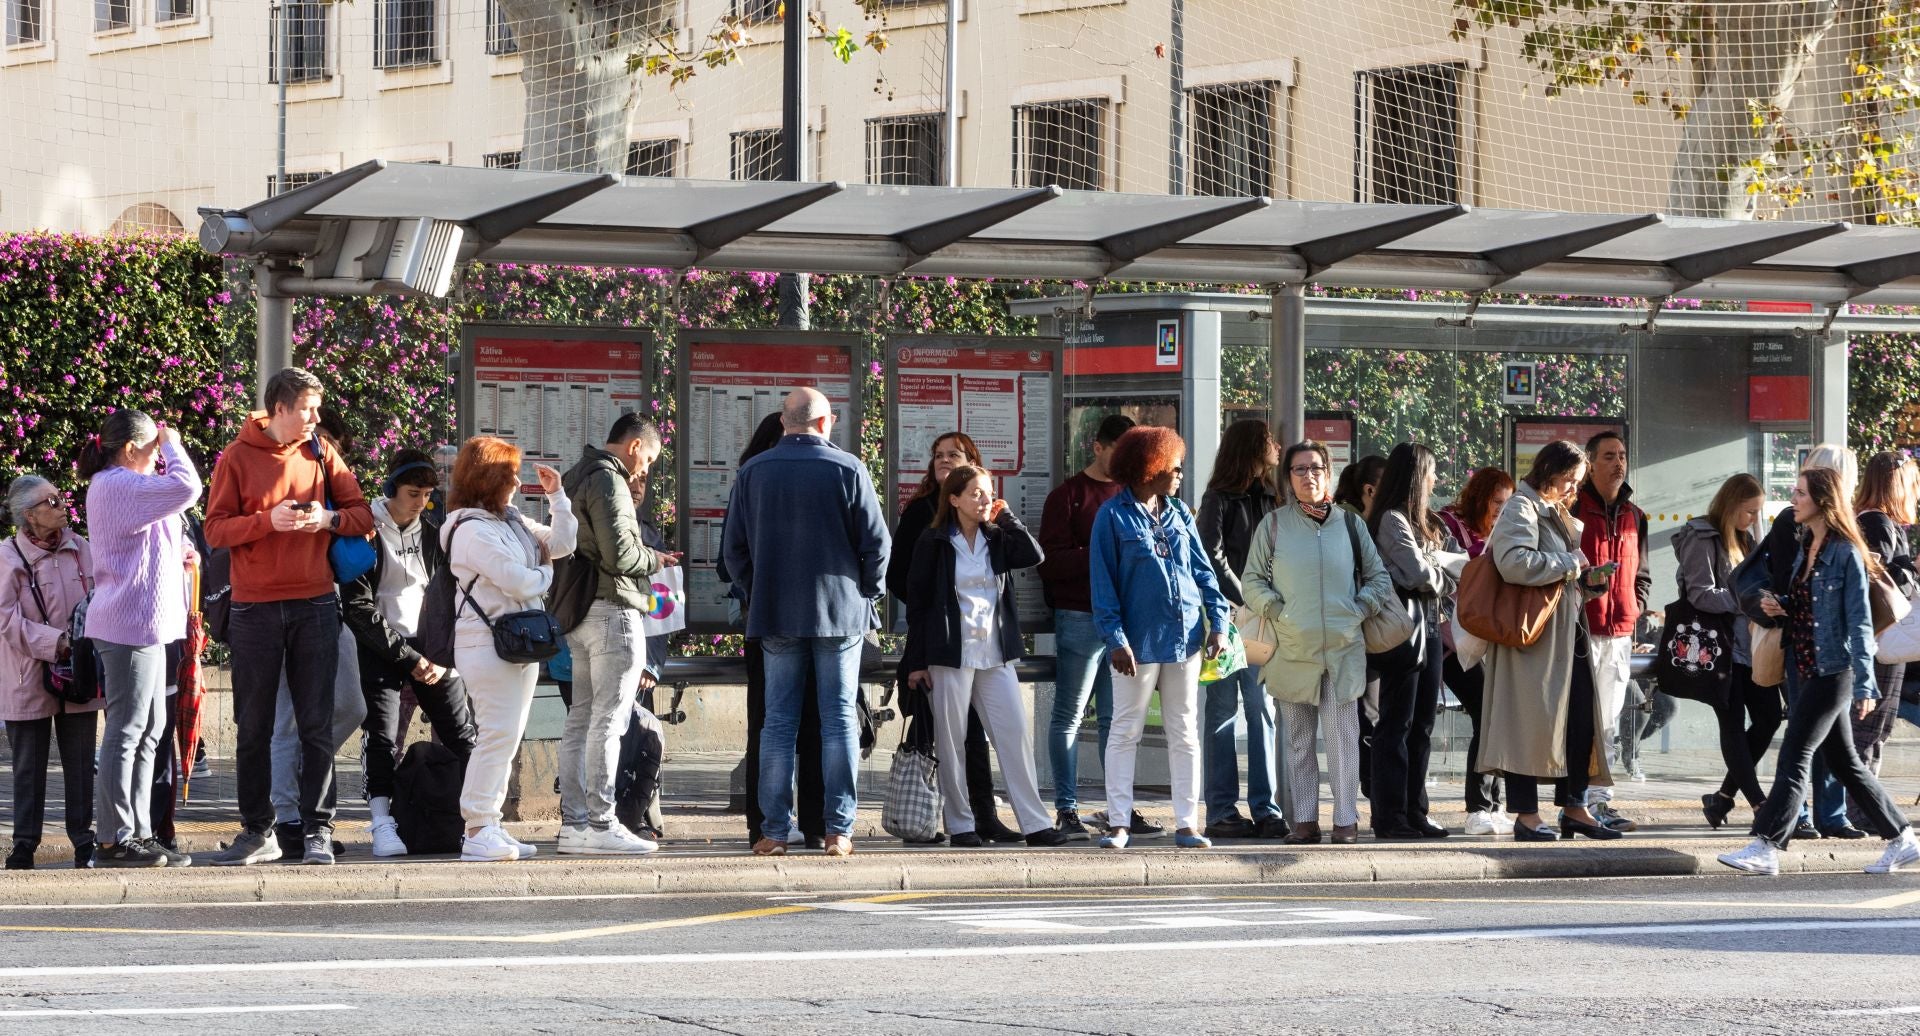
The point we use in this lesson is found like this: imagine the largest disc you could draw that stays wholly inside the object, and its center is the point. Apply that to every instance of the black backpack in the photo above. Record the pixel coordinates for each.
(426, 799)
(438, 612)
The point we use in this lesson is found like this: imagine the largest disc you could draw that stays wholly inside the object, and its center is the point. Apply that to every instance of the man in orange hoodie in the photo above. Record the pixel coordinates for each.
(270, 507)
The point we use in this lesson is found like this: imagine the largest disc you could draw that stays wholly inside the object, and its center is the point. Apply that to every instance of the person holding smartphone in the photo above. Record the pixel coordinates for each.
(1157, 605)
(963, 636)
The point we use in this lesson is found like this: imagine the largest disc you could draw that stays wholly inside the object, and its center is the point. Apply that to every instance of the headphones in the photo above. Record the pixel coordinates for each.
(391, 487)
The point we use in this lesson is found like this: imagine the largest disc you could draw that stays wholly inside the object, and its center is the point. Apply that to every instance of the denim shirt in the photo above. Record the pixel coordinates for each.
(1842, 622)
(1160, 608)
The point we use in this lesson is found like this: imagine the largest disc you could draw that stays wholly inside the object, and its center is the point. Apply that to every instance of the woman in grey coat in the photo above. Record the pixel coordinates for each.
(1541, 716)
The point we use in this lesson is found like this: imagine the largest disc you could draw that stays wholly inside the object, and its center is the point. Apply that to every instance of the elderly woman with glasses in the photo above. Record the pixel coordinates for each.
(45, 570)
(1314, 574)
(1156, 604)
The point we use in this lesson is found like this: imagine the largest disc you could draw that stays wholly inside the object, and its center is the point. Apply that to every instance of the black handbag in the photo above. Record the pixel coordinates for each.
(1694, 658)
(523, 638)
(76, 681)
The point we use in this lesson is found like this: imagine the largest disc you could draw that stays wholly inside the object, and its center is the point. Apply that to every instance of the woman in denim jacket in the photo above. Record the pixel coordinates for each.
(1157, 605)
(1829, 646)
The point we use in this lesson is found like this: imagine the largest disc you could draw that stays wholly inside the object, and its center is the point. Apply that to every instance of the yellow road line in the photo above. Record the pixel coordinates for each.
(1885, 903)
(1889, 902)
(648, 926)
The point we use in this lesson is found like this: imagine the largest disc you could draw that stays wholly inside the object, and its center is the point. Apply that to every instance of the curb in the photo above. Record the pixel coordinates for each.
(915, 871)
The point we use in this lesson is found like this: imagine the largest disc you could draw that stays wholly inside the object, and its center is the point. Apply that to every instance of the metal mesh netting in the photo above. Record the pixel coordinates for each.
(130, 114)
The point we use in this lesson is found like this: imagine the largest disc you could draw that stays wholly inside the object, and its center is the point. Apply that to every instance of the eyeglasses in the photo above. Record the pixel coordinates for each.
(1309, 471)
(53, 501)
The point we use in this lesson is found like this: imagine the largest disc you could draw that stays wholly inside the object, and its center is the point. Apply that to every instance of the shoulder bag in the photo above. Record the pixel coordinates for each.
(1395, 639)
(1257, 635)
(1500, 612)
(350, 556)
(1694, 658)
(522, 638)
(77, 680)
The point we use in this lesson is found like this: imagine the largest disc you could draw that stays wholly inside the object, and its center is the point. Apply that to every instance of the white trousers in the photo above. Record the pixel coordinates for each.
(1612, 673)
(995, 695)
(502, 695)
(1179, 687)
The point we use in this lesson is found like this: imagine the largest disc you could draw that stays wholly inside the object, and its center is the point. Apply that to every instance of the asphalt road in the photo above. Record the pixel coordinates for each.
(1801, 955)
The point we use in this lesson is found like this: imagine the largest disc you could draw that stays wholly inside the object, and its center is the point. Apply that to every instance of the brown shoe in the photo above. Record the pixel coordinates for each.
(839, 845)
(1303, 834)
(1345, 834)
(769, 847)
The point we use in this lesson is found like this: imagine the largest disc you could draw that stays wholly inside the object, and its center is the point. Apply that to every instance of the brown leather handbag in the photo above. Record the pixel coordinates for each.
(1499, 612)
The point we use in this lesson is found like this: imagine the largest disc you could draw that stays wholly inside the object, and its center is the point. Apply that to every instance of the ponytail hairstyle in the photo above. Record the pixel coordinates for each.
(1825, 487)
(957, 482)
(1734, 492)
(123, 428)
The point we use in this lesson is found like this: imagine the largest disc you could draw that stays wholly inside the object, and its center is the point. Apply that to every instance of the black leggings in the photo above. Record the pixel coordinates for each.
(1748, 721)
(1469, 685)
(1523, 793)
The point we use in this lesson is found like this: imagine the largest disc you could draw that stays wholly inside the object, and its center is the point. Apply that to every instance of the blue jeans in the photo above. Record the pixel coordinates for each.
(1225, 699)
(1080, 670)
(835, 663)
(1826, 808)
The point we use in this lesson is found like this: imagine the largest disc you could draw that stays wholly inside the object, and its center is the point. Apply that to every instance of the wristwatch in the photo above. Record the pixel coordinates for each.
(333, 523)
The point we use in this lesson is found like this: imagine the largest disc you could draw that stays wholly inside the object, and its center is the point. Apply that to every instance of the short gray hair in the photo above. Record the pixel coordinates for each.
(803, 407)
(23, 493)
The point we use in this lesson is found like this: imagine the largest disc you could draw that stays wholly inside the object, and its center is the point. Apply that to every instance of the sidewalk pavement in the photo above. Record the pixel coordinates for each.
(706, 851)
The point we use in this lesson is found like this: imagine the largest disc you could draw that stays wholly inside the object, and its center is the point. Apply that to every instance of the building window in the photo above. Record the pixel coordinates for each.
(655, 158)
(757, 155)
(278, 185)
(757, 10)
(501, 160)
(1409, 130)
(25, 19)
(405, 33)
(109, 15)
(499, 31)
(172, 10)
(1061, 143)
(305, 42)
(904, 151)
(1232, 131)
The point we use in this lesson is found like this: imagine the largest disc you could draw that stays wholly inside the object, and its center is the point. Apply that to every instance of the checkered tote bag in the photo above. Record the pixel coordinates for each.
(912, 810)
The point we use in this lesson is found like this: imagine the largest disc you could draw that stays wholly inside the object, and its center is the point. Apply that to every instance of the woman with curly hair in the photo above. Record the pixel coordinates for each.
(1156, 604)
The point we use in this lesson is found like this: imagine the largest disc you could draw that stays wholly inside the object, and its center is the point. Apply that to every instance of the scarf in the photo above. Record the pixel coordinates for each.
(1317, 512)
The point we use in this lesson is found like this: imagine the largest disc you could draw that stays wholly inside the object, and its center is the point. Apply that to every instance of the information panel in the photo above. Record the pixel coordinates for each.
(1337, 430)
(549, 390)
(1004, 393)
(729, 382)
(1526, 435)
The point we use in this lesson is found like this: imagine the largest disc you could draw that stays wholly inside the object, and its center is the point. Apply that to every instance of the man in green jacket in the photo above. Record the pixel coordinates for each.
(608, 645)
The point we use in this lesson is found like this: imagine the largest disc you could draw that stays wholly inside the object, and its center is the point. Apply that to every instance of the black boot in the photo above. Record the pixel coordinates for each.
(21, 858)
(293, 840)
(989, 827)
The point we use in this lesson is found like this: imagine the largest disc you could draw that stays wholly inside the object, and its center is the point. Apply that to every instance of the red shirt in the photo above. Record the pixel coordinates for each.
(1066, 527)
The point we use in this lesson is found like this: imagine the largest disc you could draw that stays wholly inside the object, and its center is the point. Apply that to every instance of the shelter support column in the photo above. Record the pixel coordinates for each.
(273, 334)
(1287, 345)
(1830, 387)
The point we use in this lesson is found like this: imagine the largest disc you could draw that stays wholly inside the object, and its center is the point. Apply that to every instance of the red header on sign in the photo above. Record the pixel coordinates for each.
(592, 354)
(974, 359)
(1576, 432)
(1115, 359)
(1779, 307)
(768, 359)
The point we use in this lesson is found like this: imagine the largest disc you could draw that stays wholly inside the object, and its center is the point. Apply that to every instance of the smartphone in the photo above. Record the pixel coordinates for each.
(306, 506)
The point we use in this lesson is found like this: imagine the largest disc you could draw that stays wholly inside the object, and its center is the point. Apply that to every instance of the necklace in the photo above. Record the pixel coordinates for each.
(1162, 534)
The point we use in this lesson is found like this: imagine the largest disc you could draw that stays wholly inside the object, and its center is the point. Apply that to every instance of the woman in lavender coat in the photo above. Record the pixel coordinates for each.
(140, 484)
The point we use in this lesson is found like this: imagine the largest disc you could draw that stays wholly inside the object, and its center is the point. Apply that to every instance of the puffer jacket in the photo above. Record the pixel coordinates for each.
(29, 639)
(1300, 577)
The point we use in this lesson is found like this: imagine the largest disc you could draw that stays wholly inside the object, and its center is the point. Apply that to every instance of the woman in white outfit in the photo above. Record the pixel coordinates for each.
(504, 560)
(963, 636)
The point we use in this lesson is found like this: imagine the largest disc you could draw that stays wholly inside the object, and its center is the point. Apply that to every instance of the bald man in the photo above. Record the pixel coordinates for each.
(806, 538)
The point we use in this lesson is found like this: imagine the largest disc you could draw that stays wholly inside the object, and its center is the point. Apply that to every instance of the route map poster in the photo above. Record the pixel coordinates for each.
(1004, 394)
(549, 390)
(729, 382)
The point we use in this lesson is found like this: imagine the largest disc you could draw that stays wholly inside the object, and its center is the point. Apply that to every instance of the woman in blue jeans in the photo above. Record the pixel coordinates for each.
(1237, 497)
(1829, 648)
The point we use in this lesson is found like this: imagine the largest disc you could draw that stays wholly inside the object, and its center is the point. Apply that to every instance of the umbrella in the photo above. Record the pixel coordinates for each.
(193, 690)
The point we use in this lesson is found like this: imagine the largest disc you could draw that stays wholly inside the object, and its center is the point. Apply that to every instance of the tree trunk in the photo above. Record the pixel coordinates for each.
(1758, 55)
(580, 94)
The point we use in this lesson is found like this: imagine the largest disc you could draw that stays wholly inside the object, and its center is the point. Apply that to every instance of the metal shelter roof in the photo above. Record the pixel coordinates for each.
(570, 218)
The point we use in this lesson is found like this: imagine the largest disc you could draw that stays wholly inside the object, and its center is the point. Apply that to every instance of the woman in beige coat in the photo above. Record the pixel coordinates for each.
(1541, 717)
(1304, 577)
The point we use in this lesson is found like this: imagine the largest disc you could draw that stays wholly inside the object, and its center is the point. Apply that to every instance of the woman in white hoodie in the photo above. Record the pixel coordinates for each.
(504, 560)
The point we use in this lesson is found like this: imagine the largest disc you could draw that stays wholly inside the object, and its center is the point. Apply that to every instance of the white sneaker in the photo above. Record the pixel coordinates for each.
(1759, 857)
(1900, 851)
(1480, 822)
(1115, 839)
(614, 841)
(386, 838)
(1502, 823)
(526, 851)
(491, 845)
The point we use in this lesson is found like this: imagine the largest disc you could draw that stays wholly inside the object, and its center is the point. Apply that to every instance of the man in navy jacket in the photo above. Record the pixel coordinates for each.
(806, 537)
